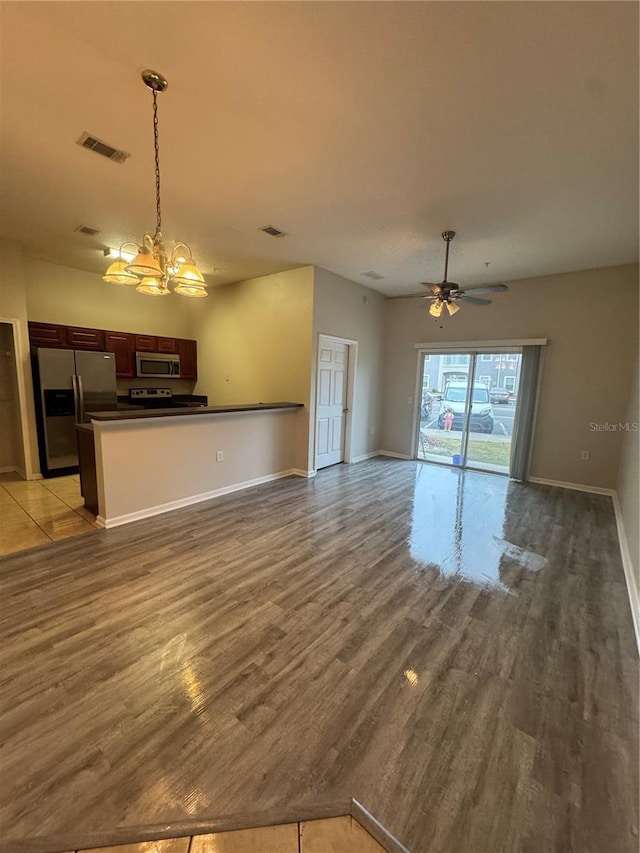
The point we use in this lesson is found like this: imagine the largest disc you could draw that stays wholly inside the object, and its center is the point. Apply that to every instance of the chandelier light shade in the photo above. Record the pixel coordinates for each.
(152, 286)
(117, 273)
(188, 273)
(452, 308)
(145, 263)
(191, 290)
(435, 309)
(152, 269)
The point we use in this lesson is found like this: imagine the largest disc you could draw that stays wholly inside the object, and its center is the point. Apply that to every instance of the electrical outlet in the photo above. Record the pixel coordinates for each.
(409, 400)
(219, 456)
(585, 456)
(372, 431)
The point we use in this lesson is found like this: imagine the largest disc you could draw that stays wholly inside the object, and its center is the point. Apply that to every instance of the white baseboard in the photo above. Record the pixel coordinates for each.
(577, 487)
(366, 456)
(298, 472)
(150, 511)
(393, 455)
(9, 469)
(629, 572)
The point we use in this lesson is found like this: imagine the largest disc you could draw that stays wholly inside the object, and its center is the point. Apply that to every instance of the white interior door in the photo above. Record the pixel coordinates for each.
(331, 403)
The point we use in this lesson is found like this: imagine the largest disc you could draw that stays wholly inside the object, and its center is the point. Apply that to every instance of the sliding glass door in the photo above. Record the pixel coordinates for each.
(467, 408)
(440, 434)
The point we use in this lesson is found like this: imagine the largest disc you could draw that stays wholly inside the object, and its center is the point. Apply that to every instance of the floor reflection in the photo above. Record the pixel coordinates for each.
(459, 525)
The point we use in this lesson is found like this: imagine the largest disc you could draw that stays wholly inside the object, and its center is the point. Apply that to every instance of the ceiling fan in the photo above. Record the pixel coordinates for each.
(449, 294)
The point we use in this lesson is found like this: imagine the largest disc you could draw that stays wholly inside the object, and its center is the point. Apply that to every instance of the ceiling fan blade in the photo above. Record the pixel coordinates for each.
(489, 288)
(413, 296)
(473, 300)
(434, 288)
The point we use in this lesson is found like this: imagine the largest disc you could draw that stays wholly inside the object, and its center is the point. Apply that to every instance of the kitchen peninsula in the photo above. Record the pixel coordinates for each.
(152, 461)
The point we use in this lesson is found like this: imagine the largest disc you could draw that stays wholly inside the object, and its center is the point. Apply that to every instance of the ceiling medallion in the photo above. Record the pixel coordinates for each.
(151, 269)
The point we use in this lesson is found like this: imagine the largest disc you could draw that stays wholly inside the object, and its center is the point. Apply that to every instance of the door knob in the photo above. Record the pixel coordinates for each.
(345, 411)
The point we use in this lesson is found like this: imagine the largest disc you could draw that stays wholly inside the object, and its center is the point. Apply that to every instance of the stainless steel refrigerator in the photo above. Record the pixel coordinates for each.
(68, 384)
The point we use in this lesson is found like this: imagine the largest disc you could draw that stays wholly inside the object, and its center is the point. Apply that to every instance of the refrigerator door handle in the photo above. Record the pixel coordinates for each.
(80, 399)
(76, 397)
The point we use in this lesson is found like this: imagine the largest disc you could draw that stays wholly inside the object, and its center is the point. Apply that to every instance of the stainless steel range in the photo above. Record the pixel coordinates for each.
(163, 398)
(151, 398)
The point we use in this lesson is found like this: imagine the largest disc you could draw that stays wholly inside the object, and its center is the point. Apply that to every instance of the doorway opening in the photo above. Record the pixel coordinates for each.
(467, 408)
(12, 446)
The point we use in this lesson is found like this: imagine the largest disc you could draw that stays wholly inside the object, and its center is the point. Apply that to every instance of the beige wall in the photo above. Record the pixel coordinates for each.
(591, 321)
(139, 471)
(59, 294)
(627, 487)
(344, 309)
(13, 306)
(254, 343)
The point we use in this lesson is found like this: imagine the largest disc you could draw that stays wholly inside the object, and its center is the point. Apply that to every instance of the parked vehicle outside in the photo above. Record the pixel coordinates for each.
(454, 401)
(500, 395)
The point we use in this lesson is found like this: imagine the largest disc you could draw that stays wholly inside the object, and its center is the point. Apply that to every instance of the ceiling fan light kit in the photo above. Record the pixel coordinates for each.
(152, 269)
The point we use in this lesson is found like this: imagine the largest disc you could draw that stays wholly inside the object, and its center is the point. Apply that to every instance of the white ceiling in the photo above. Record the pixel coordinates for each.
(361, 129)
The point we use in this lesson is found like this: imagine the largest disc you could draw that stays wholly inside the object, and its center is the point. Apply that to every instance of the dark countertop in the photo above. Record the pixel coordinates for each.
(128, 407)
(188, 412)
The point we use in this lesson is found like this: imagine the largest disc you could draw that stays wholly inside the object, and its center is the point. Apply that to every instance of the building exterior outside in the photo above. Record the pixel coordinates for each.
(495, 370)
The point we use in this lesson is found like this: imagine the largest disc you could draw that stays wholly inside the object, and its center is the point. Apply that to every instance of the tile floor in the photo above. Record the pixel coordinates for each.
(330, 835)
(34, 512)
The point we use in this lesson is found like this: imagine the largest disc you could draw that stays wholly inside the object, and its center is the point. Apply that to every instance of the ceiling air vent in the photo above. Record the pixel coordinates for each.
(273, 232)
(85, 229)
(374, 276)
(100, 147)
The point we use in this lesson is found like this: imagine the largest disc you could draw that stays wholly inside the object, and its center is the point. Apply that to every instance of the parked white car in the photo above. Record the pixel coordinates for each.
(454, 400)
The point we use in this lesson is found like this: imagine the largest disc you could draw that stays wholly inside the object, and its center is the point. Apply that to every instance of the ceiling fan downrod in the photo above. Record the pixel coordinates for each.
(447, 236)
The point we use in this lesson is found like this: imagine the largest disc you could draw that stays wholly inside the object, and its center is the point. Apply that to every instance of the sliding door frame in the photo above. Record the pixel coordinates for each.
(467, 410)
(472, 349)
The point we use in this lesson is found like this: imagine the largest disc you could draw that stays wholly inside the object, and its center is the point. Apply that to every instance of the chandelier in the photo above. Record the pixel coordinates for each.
(152, 269)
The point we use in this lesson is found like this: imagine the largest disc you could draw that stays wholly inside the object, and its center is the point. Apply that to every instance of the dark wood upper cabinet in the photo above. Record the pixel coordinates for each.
(85, 338)
(167, 345)
(47, 335)
(188, 352)
(122, 345)
(146, 343)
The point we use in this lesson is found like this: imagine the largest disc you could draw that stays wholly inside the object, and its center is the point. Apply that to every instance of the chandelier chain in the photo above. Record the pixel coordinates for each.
(150, 269)
(156, 145)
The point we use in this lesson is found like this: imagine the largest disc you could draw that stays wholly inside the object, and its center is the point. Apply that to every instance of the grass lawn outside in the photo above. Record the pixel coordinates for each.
(478, 449)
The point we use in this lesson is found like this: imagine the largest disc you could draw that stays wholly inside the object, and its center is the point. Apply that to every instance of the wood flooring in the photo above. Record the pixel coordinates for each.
(453, 650)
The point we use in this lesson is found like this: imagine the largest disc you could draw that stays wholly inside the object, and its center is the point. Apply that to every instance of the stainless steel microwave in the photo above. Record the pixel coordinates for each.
(156, 365)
